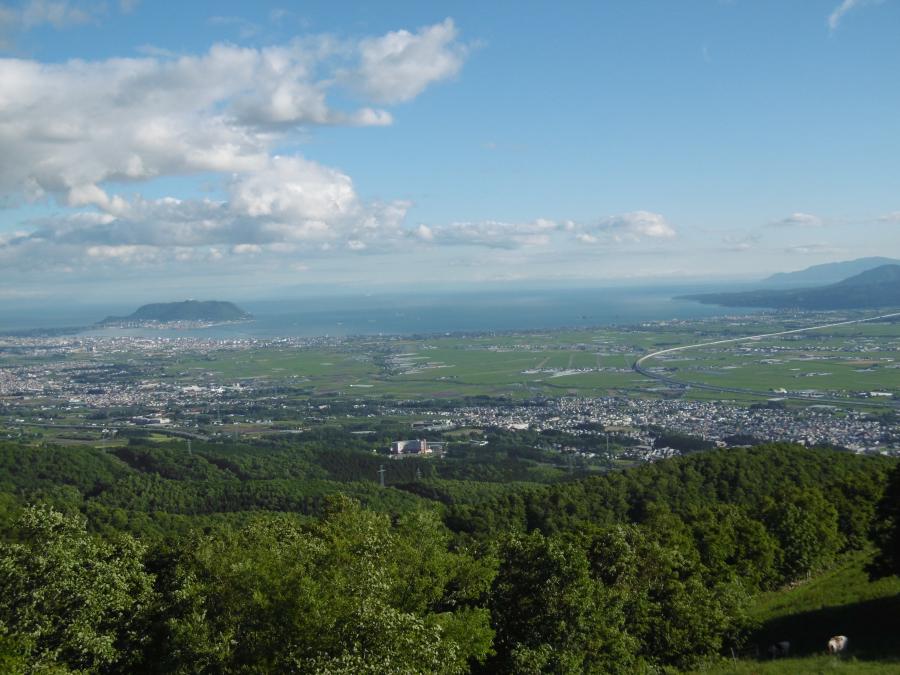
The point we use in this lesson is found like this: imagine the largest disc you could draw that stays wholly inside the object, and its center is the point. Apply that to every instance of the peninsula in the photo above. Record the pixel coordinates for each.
(879, 287)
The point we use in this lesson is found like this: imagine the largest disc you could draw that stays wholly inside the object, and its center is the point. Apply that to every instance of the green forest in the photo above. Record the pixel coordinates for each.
(286, 555)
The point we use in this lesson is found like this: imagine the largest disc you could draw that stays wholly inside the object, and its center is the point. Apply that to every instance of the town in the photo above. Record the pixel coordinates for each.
(581, 384)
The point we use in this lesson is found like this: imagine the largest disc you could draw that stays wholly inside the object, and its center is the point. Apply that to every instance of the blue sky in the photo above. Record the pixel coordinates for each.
(243, 147)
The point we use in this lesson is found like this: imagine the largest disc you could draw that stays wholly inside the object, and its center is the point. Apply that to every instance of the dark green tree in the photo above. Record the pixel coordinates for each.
(806, 526)
(69, 600)
(550, 615)
(887, 529)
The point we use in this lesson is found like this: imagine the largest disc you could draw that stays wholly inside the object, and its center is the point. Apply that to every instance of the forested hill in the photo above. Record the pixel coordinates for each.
(878, 287)
(188, 310)
(238, 558)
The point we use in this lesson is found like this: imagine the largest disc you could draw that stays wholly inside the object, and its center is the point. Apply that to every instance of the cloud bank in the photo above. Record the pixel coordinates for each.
(85, 136)
(67, 128)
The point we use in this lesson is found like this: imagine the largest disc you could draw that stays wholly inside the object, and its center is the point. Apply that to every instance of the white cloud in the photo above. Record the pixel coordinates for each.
(834, 19)
(120, 253)
(637, 225)
(247, 249)
(76, 132)
(290, 205)
(424, 233)
(630, 227)
(71, 131)
(67, 129)
(893, 217)
(490, 233)
(296, 190)
(398, 66)
(799, 220)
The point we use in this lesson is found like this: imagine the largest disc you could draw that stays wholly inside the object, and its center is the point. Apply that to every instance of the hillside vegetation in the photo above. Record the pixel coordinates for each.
(283, 557)
(840, 601)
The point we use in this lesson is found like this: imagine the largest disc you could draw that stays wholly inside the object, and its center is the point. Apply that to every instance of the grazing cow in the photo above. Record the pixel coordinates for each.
(779, 650)
(838, 644)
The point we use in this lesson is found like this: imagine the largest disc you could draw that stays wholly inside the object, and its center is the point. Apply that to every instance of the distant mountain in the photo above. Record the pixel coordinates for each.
(829, 273)
(879, 287)
(211, 311)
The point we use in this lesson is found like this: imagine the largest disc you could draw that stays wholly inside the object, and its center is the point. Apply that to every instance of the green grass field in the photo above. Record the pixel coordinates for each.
(842, 601)
(844, 361)
(836, 362)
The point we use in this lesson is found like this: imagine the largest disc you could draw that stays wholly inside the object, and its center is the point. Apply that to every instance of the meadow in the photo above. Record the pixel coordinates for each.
(841, 601)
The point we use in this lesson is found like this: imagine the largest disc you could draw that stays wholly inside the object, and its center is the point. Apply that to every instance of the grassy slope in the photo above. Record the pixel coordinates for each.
(841, 601)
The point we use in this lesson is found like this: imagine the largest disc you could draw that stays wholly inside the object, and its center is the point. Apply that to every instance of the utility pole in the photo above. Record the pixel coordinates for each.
(189, 446)
(381, 475)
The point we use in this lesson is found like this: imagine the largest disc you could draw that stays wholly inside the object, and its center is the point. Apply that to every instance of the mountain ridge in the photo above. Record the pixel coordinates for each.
(827, 273)
(878, 287)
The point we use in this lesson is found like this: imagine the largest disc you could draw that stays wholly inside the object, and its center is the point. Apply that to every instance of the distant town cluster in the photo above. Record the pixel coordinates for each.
(583, 384)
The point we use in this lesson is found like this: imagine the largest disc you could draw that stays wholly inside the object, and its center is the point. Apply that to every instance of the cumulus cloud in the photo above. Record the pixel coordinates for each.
(637, 225)
(834, 19)
(67, 129)
(292, 207)
(398, 66)
(630, 227)
(77, 132)
(490, 233)
(289, 205)
(292, 189)
(799, 220)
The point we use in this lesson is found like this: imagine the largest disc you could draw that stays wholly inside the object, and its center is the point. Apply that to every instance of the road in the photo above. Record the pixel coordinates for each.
(168, 431)
(638, 365)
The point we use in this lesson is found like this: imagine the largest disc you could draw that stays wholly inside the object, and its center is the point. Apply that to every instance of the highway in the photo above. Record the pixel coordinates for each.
(639, 367)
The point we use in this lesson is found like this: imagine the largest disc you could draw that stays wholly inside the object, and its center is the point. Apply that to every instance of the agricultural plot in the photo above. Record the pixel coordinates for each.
(846, 362)
(318, 368)
(854, 362)
(524, 366)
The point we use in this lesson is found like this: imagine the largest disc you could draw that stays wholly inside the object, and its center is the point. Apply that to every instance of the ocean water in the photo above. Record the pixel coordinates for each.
(435, 313)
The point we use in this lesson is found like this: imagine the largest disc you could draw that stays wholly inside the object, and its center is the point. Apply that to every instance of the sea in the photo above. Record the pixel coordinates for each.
(408, 313)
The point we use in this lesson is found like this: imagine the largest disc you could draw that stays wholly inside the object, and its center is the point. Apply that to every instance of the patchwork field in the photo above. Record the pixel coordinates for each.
(846, 362)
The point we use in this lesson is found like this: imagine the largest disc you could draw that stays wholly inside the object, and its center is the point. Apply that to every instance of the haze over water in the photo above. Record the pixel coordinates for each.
(391, 314)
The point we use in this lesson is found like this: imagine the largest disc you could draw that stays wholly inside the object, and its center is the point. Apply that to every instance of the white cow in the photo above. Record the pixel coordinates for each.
(838, 644)
(779, 650)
